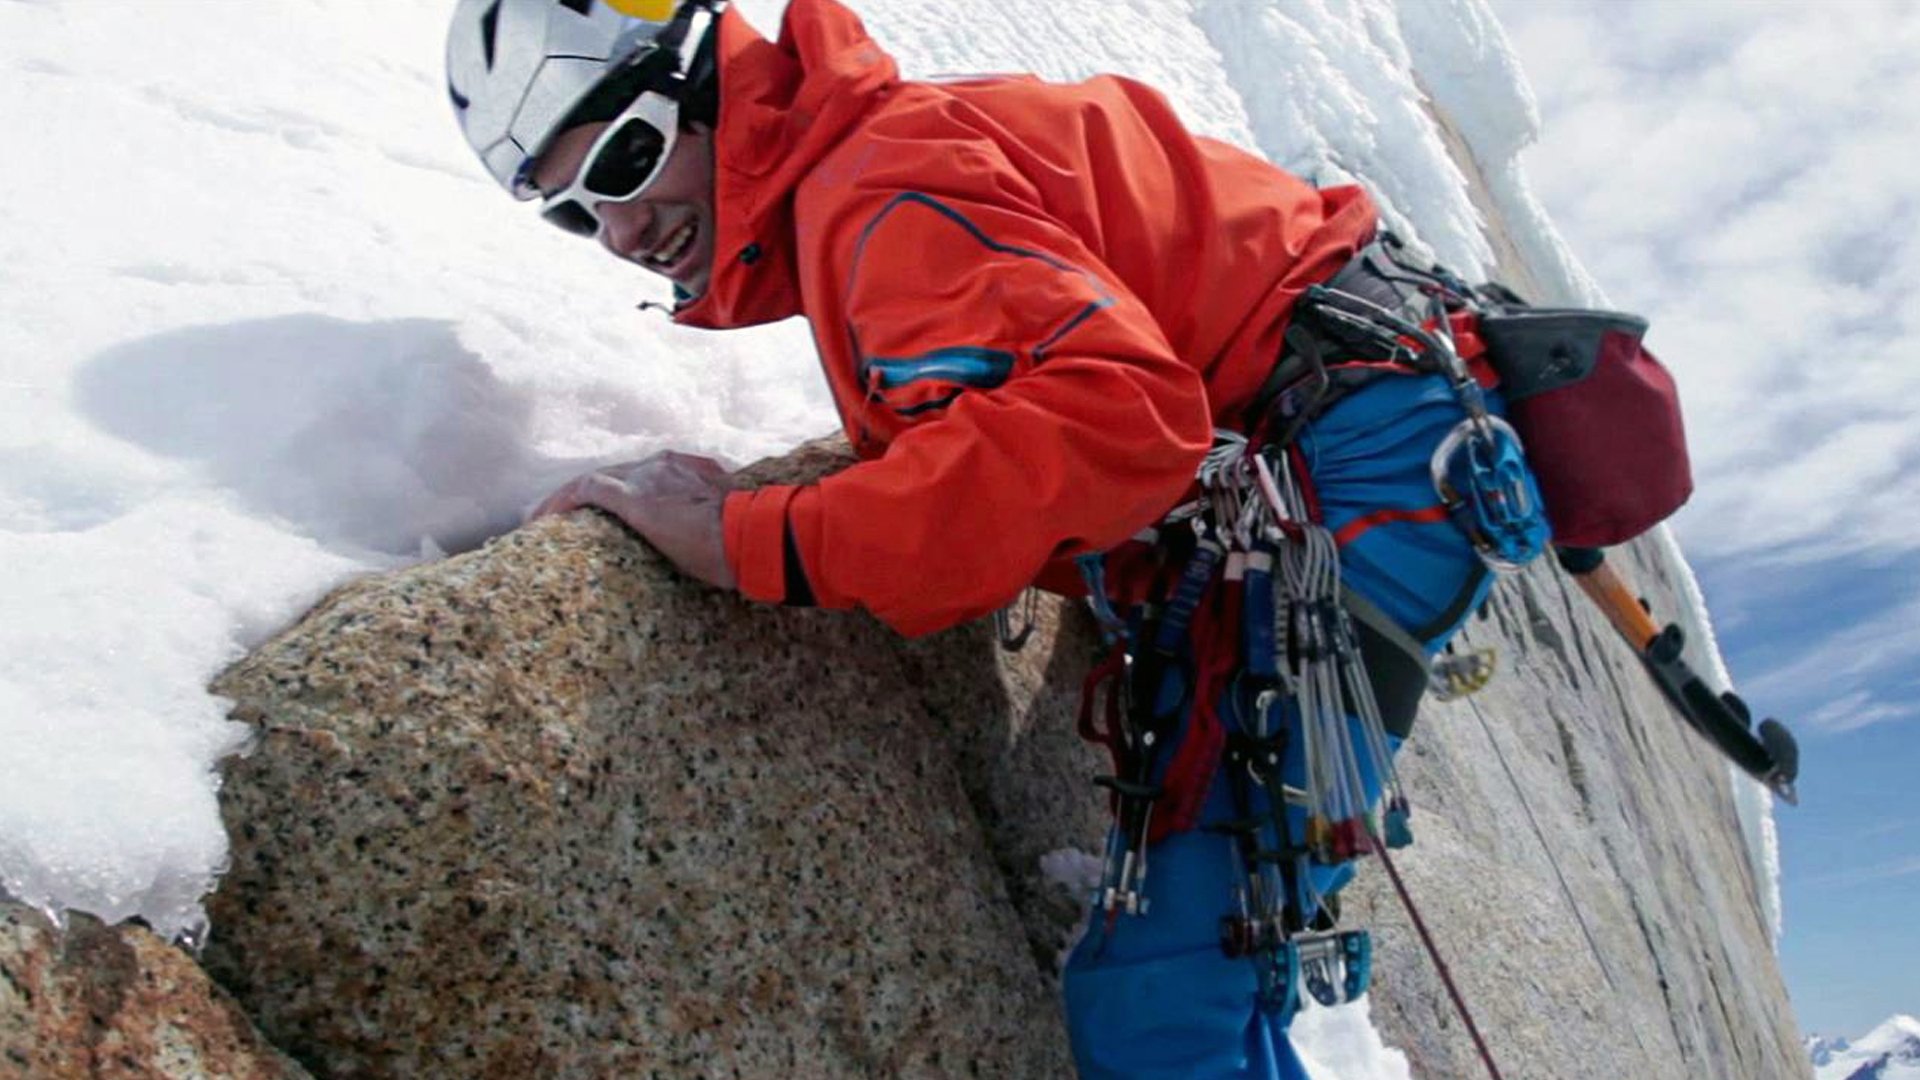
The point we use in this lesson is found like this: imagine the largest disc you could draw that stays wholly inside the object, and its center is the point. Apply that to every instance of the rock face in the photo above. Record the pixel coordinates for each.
(1579, 860)
(118, 1002)
(547, 809)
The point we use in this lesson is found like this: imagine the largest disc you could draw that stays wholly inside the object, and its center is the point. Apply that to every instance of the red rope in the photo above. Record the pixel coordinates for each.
(1440, 965)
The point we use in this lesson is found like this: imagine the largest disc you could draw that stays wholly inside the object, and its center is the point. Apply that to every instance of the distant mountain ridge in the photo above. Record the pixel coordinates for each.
(1888, 1052)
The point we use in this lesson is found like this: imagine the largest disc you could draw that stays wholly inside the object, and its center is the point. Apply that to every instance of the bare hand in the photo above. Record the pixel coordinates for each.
(672, 499)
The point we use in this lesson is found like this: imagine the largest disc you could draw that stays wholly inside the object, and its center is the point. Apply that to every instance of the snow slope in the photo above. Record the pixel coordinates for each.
(264, 325)
(1888, 1052)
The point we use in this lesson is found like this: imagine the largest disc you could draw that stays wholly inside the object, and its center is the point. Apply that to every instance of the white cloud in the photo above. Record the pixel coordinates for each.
(1737, 172)
(1855, 711)
(1896, 868)
(1856, 677)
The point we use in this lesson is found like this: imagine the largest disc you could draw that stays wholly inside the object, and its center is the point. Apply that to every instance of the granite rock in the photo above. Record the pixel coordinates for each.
(117, 1003)
(549, 809)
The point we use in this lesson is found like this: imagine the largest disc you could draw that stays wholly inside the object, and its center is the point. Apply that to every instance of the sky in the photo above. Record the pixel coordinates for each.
(1740, 174)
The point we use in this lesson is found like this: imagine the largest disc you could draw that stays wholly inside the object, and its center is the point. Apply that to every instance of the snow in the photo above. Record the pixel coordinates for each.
(1888, 1052)
(1899, 1032)
(250, 346)
(1821, 1049)
(1473, 77)
(1341, 1044)
(265, 325)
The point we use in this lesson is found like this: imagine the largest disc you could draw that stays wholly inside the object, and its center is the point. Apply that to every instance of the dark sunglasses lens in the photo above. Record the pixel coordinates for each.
(627, 161)
(573, 217)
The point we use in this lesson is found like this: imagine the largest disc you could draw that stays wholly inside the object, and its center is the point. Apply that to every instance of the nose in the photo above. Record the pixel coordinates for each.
(623, 227)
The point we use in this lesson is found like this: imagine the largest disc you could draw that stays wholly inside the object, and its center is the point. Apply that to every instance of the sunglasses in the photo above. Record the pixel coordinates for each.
(620, 165)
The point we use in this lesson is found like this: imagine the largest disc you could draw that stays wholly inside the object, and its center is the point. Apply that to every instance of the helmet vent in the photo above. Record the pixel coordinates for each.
(490, 30)
(580, 7)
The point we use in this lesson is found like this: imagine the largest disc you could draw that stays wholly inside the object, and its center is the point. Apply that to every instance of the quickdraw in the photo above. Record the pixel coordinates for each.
(1145, 695)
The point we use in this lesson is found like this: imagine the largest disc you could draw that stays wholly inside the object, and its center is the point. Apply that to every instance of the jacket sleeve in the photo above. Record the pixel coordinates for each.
(1032, 408)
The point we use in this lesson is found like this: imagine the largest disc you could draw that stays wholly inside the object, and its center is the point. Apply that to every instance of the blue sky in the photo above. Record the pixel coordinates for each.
(1737, 172)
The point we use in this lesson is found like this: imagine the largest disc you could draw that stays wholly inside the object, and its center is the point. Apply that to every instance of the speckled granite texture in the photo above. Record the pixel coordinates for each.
(546, 809)
(117, 1004)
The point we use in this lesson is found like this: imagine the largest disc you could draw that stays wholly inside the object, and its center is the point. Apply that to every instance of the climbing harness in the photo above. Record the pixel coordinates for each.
(1279, 664)
(1302, 663)
(1289, 662)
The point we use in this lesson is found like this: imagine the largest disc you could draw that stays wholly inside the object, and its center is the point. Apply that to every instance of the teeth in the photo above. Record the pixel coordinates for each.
(670, 252)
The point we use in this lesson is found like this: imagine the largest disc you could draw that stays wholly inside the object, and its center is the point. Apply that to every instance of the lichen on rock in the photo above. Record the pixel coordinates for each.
(89, 1000)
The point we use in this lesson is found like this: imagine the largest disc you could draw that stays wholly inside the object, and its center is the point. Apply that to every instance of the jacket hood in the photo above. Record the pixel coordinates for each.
(783, 106)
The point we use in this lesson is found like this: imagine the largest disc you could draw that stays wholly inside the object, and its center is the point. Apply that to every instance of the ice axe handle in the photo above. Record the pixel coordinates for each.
(1770, 754)
(1604, 587)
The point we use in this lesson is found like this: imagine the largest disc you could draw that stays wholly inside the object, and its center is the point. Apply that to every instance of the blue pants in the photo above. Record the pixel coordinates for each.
(1154, 995)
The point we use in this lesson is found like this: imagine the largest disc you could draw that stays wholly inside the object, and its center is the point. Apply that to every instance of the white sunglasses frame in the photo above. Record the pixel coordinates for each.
(652, 107)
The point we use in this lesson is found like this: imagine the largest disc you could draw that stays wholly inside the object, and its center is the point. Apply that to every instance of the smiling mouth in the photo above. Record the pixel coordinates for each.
(673, 249)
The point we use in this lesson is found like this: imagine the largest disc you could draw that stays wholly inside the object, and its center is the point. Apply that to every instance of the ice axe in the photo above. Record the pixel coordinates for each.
(1768, 753)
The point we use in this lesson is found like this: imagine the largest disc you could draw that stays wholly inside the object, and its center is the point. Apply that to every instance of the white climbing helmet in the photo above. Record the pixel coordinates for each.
(520, 71)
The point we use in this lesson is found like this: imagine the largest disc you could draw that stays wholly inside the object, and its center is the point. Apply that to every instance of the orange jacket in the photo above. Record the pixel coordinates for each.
(1033, 303)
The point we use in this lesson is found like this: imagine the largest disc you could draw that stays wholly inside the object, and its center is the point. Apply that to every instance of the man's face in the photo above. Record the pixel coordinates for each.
(668, 228)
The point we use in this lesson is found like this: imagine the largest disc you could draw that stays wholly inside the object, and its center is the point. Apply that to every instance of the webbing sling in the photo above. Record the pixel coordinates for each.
(1394, 659)
(1319, 364)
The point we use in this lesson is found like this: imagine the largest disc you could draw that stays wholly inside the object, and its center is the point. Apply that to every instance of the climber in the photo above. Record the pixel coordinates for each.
(1043, 310)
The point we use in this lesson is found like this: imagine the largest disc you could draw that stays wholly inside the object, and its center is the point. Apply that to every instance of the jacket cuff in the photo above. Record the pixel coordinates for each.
(755, 527)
